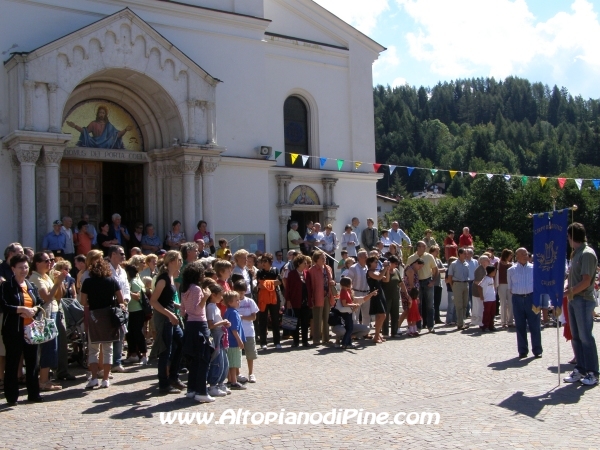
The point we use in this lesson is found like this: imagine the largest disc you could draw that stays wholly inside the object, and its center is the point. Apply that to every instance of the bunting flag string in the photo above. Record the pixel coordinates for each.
(561, 181)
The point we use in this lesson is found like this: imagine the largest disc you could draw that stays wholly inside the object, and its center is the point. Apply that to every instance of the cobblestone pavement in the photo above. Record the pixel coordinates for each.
(485, 396)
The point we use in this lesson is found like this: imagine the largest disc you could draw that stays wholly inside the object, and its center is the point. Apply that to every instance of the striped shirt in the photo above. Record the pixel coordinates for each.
(520, 279)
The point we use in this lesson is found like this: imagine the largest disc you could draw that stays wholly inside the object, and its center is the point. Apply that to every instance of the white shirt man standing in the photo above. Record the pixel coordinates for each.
(116, 255)
(396, 235)
(67, 230)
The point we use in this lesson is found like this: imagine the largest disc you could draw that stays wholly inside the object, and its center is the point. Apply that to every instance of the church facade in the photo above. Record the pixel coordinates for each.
(236, 112)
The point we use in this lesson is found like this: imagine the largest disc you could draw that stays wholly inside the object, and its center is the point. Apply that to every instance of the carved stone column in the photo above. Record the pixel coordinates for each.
(53, 109)
(29, 93)
(328, 185)
(283, 184)
(325, 191)
(198, 191)
(209, 165)
(188, 169)
(211, 123)
(160, 198)
(28, 155)
(52, 157)
(285, 216)
(191, 121)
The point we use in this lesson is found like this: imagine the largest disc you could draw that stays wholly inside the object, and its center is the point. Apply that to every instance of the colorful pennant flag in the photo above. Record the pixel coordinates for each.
(376, 167)
(277, 154)
(578, 182)
(304, 160)
(410, 170)
(322, 161)
(561, 182)
(433, 171)
(524, 180)
(507, 177)
(489, 175)
(452, 173)
(473, 174)
(294, 157)
(392, 168)
(340, 163)
(357, 164)
(596, 184)
(543, 180)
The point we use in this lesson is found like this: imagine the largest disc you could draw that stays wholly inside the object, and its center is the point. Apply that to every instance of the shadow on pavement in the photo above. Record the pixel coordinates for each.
(532, 406)
(513, 363)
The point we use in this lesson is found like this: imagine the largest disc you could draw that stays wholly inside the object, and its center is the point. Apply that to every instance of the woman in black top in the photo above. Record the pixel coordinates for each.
(20, 300)
(103, 239)
(377, 307)
(168, 332)
(98, 293)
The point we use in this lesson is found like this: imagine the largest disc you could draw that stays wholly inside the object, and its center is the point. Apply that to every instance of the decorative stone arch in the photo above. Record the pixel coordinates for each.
(313, 122)
(142, 66)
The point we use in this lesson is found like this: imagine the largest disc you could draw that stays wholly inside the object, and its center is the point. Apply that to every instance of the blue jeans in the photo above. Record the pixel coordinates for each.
(584, 344)
(171, 357)
(426, 298)
(349, 326)
(197, 348)
(470, 303)
(219, 367)
(118, 348)
(451, 310)
(524, 316)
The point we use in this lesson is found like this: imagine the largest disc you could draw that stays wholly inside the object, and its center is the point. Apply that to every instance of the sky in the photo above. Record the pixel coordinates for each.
(556, 42)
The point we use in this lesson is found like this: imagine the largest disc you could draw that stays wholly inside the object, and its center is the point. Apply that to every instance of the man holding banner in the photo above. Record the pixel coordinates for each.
(520, 285)
(580, 292)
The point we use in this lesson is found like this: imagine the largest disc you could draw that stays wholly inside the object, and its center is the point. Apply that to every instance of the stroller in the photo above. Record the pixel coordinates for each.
(76, 333)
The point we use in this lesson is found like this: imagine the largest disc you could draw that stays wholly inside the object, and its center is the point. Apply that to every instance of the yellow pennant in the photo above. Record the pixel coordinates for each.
(452, 173)
(357, 164)
(543, 180)
(294, 157)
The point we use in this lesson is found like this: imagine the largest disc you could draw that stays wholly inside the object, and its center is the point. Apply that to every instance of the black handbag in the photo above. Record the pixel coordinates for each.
(145, 302)
(335, 317)
(118, 317)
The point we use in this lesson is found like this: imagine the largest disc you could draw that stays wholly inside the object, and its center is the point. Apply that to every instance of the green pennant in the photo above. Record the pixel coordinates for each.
(524, 180)
(433, 171)
(340, 163)
(277, 154)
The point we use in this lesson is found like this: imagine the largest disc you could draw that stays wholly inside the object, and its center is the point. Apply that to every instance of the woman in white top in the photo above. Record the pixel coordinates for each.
(349, 241)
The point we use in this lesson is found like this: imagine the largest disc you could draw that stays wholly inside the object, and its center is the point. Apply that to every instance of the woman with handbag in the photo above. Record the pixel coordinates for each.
(297, 298)
(98, 292)
(169, 334)
(319, 283)
(20, 302)
(47, 289)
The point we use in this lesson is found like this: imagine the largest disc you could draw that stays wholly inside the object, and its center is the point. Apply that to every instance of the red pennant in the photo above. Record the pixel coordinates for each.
(561, 182)
(376, 167)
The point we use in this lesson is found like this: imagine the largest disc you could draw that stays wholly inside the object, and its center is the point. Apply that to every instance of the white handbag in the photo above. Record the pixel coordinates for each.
(40, 331)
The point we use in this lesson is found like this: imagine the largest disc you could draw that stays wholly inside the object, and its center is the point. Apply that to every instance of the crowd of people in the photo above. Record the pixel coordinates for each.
(202, 310)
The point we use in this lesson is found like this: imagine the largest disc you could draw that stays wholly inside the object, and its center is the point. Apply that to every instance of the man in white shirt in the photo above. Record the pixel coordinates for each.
(116, 255)
(357, 230)
(279, 262)
(396, 235)
(240, 259)
(473, 264)
(358, 274)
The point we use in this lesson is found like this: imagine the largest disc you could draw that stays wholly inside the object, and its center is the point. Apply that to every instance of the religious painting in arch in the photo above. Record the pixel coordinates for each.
(304, 195)
(102, 124)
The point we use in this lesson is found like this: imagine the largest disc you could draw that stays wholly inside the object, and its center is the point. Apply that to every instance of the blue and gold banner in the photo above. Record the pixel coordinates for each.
(549, 256)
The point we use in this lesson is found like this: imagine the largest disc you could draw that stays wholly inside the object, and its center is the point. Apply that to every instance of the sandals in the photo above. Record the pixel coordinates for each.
(49, 386)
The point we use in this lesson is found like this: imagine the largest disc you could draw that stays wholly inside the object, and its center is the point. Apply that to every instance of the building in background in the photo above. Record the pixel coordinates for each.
(158, 110)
